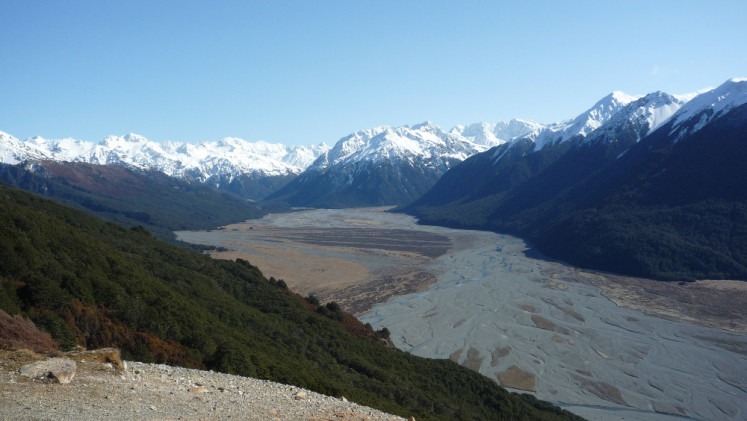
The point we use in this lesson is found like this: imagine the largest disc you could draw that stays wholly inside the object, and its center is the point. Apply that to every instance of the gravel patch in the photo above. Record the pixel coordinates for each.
(161, 392)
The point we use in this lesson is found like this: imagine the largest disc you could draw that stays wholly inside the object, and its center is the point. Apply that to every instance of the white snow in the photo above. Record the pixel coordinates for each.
(487, 134)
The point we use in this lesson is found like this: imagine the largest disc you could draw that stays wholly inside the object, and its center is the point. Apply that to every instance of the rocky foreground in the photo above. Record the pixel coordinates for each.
(100, 386)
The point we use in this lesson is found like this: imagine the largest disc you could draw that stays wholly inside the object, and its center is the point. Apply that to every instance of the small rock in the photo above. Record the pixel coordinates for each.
(103, 355)
(61, 370)
(152, 408)
(300, 395)
(344, 399)
(198, 389)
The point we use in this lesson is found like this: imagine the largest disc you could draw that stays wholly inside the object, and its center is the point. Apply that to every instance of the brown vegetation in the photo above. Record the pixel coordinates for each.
(94, 328)
(18, 332)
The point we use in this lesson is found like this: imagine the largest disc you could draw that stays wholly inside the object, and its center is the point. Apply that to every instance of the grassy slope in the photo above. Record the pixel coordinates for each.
(98, 284)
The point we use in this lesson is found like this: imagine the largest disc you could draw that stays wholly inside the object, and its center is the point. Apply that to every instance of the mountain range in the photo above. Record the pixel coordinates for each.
(250, 169)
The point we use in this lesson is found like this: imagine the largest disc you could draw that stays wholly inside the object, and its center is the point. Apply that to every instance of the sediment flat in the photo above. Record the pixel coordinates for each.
(354, 258)
(602, 345)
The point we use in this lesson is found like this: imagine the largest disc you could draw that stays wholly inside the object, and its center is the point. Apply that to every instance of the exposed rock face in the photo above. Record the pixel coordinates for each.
(61, 370)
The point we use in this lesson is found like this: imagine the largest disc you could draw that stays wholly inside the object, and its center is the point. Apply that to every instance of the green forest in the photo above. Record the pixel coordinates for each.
(96, 284)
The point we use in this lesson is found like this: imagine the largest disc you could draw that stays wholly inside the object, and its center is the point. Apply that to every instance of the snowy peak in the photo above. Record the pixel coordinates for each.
(656, 108)
(515, 128)
(425, 142)
(708, 106)
(596, 116)
(584, 124)
(487, 134)
(642, 116)
(13, 151)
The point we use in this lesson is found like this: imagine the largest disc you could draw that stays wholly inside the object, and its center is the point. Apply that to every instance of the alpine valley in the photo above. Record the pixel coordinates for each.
(650, 185)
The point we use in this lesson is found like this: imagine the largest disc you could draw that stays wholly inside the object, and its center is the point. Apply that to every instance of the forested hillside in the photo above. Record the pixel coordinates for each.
(97, 284)
(152, 199)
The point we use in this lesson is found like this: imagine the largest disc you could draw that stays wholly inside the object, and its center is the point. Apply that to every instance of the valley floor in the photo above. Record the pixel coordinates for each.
(601, 345)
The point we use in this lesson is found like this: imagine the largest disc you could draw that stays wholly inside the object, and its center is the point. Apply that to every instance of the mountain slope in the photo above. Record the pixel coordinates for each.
(251, 170)
(381, 166)
(676, 211)
(98, 284)
(612, 200)
(131, 197)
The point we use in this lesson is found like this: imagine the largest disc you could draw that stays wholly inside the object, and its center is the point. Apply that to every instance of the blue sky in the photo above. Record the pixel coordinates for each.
(302, 72)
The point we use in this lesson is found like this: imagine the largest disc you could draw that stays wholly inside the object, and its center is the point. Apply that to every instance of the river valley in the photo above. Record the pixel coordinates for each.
(601, 345)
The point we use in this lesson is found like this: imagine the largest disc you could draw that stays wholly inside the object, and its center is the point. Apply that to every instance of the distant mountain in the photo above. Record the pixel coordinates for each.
(657, 189)
(383, 166)
(250, 170)
(487, 134)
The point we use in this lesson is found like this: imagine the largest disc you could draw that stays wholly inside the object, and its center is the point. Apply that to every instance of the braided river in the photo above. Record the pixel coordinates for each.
(491, 303)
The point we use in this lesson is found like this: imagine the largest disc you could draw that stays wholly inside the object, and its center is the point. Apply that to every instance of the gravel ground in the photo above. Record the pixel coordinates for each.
(160, 392)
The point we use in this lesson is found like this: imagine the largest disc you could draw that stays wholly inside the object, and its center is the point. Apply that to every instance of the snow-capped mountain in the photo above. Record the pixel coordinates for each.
(425, 142)
(383, 166)
(487, 134)
(223, 160)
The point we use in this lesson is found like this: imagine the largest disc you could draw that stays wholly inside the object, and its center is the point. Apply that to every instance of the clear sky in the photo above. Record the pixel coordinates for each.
(303, 72)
